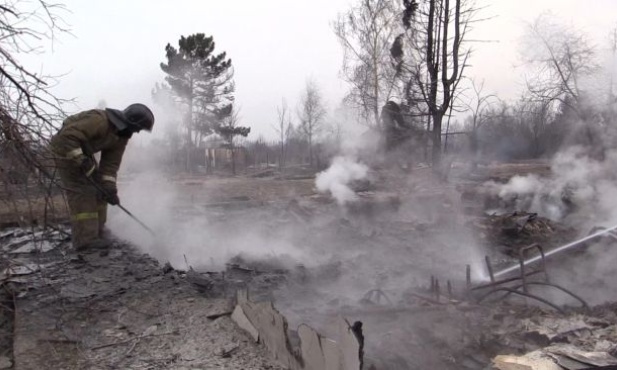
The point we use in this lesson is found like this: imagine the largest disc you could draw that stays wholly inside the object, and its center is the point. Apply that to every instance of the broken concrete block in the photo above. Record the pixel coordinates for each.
(331, 351)
(311, 349)
(272, 329)
(316, 352)
(590, 358)
(531, 361)
(239, 317)
(350, 347)
(567, 363)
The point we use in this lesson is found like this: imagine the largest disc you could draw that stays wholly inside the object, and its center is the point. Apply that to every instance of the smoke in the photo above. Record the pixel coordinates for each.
(337, 178)
(580, 192)
(357, 150)
(580, 189)
(187, 231)
(346, 254)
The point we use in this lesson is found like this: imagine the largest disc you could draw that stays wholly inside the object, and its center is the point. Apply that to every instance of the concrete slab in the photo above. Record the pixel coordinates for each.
(239, 317)
(316, 352)
(311, 349)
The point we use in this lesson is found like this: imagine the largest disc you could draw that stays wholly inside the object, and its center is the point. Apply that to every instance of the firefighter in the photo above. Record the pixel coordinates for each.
(82, 135)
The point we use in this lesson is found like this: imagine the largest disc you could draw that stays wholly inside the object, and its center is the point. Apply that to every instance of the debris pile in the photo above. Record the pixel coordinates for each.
(512, 231)
(571, 342)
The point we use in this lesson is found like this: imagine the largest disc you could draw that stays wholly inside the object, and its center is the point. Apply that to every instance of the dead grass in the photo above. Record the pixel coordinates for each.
(33, 210)
(254, 189)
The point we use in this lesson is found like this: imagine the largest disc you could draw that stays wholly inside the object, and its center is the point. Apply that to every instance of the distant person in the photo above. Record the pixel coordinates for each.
(394, 126)
(82, 135)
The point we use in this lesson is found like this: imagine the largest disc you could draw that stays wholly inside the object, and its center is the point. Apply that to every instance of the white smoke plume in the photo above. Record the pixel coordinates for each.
(580, 188)
(337, 178)
(183, 230)
(581, 192)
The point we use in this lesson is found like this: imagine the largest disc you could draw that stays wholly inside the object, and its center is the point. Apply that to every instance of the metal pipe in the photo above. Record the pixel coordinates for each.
(104, 193)
(564, 247)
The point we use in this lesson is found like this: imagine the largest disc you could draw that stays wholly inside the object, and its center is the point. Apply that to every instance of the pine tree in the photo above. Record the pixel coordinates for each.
(201, 82)
(228, 128)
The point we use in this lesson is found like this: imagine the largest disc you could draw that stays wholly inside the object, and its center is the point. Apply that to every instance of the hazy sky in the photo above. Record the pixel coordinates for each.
(274, 45)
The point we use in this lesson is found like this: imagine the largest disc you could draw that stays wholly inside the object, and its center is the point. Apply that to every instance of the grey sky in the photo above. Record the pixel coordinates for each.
(275, 46)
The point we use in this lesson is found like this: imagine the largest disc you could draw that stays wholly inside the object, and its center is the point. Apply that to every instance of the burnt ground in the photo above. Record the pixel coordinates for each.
(370, 261)
(7, 310)
(118, 309)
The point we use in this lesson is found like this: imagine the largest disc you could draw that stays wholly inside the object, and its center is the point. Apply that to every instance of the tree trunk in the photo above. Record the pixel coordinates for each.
(436, 153)
(376, 88)
(473, 143)
(189, 131)
(310, 144)
(282, 159)
(425, 141)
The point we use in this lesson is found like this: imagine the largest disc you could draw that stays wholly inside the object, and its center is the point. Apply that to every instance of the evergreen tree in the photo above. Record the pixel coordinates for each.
(228, 128)
(201, 82)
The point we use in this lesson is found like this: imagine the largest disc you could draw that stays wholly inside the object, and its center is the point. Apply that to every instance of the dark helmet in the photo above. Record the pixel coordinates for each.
(139, 115)
(134, 118)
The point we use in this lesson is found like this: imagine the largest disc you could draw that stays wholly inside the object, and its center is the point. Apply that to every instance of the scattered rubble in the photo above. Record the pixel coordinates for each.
(557, 357)
(119, 309)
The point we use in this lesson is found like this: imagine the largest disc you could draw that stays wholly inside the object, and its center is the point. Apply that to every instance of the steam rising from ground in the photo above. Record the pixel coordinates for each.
(357, 149)
(581, 192)
(183, 228)
(581, 189)
(337, 179)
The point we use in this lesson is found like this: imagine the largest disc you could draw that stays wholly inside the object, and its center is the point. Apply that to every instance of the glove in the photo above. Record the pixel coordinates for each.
(111, 193)
(87, 165)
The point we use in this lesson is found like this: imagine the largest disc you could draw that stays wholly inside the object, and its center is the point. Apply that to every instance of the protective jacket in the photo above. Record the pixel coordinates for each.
(85, 134)
(88, 133)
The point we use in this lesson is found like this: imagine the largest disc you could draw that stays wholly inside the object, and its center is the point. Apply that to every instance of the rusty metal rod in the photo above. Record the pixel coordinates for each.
(528, 295)
(489, 268)
(504, 281)
(583, 303)
(468, 275)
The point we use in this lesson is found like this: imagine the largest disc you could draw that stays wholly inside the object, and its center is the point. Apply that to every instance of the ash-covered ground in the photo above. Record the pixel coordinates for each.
(376, 258)
(372, 260)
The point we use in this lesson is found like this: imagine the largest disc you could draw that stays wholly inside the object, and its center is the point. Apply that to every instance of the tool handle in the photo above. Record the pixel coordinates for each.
(136, 219)
(104, 193)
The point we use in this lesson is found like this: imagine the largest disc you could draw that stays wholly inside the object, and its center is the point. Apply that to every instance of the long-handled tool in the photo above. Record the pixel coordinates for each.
(104, 193)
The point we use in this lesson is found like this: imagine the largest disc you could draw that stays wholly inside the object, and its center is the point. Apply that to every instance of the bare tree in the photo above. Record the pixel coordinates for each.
(436, 59)
(283, 128)
(29, 111)
(479, 106)
(366, 33)
(535, 121)
(311, 113)
(561, 58)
